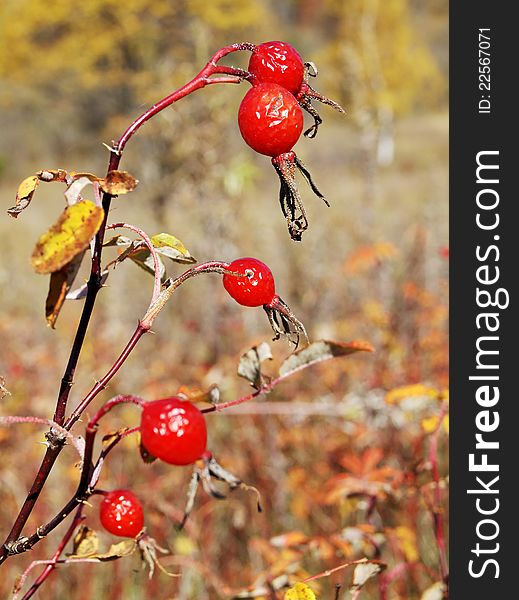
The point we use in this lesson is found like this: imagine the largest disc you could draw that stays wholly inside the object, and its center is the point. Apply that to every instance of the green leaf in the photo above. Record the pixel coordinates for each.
(320, 351)
(171, 247)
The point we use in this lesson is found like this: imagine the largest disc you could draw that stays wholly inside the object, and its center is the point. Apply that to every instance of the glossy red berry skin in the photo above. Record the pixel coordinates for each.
(277, 62)
(121, 513)
(256, 289)
(173, 430)
(270, 119)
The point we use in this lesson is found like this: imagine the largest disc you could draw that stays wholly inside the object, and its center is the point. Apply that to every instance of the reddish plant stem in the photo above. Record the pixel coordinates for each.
(50, 567)
(101, 384)
(198, 82)
(263, 390)
(94, 283)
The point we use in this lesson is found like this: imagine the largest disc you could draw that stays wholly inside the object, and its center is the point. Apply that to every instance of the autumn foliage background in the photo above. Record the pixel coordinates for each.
(340, 452)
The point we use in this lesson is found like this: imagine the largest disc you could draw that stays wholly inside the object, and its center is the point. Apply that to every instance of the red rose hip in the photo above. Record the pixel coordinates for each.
(256, 288)
(270, 119)
(173, 430)
(277, 62)
(121, 513)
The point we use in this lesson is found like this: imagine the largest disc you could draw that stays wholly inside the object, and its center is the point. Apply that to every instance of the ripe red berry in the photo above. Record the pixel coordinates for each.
(256, 289)
(121, 513)
(173, 430)
(277, 62)
(270, 119)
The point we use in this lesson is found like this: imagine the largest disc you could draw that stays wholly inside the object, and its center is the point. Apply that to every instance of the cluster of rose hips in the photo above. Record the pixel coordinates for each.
(173, 429)
(271, 120)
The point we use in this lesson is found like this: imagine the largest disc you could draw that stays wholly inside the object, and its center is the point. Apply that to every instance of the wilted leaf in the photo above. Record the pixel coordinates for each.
(171, 247)
(195, 395)
(60, 283)
(435, 592)
(81, 292)
(118, 240)
(48, 175)
(85, 542)
(69, 236)
(363, 572)
(24, 196)
(117, 183)
(124, 548)
(300, 591)
(3, 390)
(250, 364)
(79, 181)
(111, 436)
(320, 351)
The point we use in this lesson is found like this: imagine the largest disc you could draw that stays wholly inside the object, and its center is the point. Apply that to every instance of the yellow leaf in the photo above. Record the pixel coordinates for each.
(117, 183)
(69, 236)
(407, 541)
(24, 196)
(430, 424)
(86, 542)
(416, 390)
(300, 591)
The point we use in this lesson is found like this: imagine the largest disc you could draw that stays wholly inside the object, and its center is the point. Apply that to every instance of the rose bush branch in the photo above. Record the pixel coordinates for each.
(202, 79)
(51, 564)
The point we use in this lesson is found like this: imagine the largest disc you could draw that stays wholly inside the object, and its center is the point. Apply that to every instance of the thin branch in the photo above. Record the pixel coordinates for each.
(153, 252)
(52, 563)
(60, 431)
(94, 285)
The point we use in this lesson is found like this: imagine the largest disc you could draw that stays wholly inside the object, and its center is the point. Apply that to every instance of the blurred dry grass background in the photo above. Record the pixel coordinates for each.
(370, 267)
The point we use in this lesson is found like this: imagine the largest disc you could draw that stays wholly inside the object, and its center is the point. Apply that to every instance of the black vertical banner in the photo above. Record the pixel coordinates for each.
(484, 323)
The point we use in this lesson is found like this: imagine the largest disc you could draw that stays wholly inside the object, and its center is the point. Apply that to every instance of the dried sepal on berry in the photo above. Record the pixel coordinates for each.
(284, 322)
(289, 197)
(306, 94)
(204, 472)
(148, 548)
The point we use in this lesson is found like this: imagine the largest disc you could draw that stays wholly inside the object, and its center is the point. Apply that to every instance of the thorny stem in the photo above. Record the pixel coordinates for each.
(101, 384)
(170, 285)
(264, 389)
(84, 491)
(94, 283)
(153, 252)
(52, 564)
